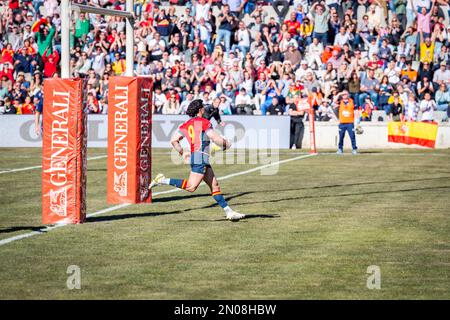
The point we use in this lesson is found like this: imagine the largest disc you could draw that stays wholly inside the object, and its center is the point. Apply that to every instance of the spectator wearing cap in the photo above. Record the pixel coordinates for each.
(225, 105)
(22, 61)
(401, 62)
(442, 74)
(44, 38)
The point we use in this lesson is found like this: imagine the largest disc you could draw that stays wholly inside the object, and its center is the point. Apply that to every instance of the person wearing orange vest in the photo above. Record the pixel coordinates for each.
(348, 113)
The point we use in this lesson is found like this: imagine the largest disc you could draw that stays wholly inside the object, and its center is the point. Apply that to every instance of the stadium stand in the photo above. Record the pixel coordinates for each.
(239, 55)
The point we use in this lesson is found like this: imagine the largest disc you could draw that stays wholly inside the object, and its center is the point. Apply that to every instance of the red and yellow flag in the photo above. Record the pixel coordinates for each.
(420, 133)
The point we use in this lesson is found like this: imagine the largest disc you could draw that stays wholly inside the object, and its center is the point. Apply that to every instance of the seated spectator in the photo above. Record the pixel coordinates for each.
(411, 108)
(396, 110)
(244, 103)
(276, 108)
(27, 107)
(443, 99)
(172, 105)
(427, 106)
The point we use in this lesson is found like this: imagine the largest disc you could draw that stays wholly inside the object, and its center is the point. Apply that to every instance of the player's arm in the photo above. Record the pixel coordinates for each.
(175, 141)
(217, 139)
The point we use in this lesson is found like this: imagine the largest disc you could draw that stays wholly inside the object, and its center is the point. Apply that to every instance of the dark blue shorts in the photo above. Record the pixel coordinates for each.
(199, 162)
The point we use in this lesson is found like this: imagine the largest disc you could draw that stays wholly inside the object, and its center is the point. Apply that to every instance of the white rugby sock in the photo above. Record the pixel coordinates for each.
(165, 181)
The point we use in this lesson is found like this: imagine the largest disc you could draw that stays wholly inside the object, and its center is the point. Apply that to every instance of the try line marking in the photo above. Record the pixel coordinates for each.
(124, 205)
(37, 167)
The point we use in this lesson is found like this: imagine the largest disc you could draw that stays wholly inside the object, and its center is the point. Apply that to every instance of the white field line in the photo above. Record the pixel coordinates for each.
(37, 167)
(124, 205)
(266, 153)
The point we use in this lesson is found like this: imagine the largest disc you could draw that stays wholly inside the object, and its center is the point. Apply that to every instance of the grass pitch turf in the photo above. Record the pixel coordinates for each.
(313, 229)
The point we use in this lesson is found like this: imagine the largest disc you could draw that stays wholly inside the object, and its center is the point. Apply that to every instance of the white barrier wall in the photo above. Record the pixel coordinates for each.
(375, 136)
(245, 132)
(269, 132)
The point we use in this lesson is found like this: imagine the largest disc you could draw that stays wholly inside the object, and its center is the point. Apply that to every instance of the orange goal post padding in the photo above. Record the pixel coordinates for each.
(129, 139)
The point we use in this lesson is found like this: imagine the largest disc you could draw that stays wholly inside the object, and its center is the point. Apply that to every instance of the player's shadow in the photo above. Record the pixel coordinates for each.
(354, 184)
(337, 195)
(247, 216)
(21, 228)
(174, 198)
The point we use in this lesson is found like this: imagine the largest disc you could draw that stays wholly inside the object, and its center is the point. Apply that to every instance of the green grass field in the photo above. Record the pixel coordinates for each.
(313, 229)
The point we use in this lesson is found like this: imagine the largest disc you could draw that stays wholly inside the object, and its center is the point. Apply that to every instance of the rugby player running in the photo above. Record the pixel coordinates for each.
(198, 132)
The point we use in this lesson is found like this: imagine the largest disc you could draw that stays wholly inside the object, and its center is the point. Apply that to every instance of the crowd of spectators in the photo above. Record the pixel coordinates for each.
(391, 55)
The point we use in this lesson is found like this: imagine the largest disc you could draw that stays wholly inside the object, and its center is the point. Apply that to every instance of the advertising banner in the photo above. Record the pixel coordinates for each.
(64, 152)
(129, 140)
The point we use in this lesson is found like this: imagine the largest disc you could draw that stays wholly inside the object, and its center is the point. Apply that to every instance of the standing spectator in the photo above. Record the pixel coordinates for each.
(82, 27)
(226, 22)
(320, 13)
(347, 115)
(242, 38)
(297, 113)
(44, 39)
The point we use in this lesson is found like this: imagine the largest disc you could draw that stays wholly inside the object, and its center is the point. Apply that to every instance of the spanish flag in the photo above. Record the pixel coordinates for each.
(420, 133)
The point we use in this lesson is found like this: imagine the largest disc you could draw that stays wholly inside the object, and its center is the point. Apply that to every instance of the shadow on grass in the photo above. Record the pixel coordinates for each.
(21, 228)
(247, 216)
(168, 199)
(340, 195)
(390, 182)
(237, 195)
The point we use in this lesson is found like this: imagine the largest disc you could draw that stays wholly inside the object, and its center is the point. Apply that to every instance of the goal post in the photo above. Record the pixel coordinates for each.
(64, 141)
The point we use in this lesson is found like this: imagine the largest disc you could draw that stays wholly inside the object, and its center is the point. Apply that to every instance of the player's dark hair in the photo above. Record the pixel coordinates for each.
(194, 108)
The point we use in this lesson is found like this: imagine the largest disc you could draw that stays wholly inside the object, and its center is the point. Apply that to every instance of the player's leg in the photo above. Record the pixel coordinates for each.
(211, 180)
(189, 184)
(195, 178)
